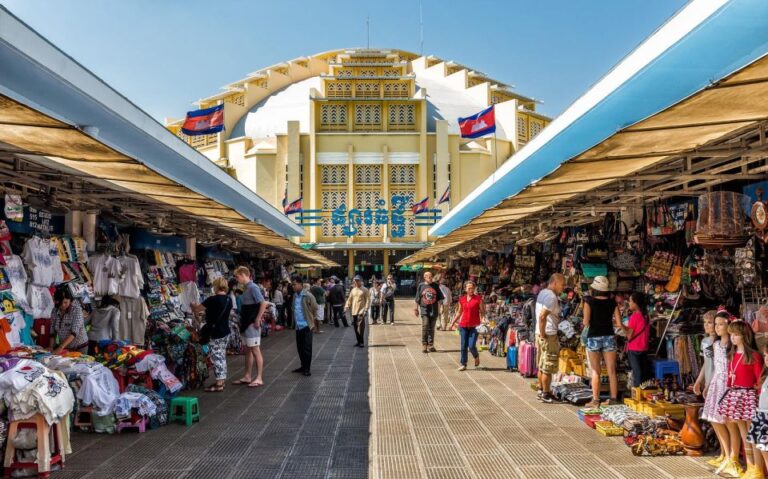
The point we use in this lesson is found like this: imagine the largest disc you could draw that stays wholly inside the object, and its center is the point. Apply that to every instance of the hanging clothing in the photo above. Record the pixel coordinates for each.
(106, 274)
(42, 258)
(17, 275)
(131, 280)
(105, 324)
(190, 295)
(133, 319)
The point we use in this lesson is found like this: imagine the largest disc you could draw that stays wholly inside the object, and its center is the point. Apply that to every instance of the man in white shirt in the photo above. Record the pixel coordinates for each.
(445, 306)
(547, 344)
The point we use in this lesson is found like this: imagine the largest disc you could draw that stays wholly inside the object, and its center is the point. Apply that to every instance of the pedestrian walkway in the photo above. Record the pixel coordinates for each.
(417, 417)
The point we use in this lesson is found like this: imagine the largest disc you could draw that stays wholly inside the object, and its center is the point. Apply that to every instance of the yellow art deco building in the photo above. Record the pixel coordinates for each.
(360, 135)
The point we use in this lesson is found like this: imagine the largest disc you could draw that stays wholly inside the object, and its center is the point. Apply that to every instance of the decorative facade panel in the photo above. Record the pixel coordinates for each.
(402, 174)
(367, 89)
(338, 89)
(368, 116)
(333, 175)
(363, 200)
(330, 200)
(410, 220)
(367, 174)
(333, 116)
(396, 90)
(402, 116)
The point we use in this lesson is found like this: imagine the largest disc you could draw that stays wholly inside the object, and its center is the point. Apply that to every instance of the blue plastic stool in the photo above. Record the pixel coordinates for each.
(665, 367)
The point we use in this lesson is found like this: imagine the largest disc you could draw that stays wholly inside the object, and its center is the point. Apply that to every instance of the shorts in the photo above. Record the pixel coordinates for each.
(252, 336)
(601, 343)
(758, 431)
(549, 353)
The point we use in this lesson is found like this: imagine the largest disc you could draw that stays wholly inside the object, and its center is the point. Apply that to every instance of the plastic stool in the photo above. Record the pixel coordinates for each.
(45, 458)
(665, 367)
(185, 408)
(141, 425)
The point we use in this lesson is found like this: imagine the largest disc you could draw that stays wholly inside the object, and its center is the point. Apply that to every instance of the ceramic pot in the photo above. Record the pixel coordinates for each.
(691, 434)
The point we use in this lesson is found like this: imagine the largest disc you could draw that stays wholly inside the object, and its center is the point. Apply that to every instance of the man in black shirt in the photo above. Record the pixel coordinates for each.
(428, 298)
(337, 298)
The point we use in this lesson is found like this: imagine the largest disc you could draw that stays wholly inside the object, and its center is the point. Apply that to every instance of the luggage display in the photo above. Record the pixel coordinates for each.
(527, 359)
(511, 358)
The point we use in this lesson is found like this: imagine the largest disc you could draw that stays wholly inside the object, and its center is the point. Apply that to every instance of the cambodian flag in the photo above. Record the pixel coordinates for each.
(446, 196)
(294, 207)
(421, 206)
(204, 122)
(478, 124)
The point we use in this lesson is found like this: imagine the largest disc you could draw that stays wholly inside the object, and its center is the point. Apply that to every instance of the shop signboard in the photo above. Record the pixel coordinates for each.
(37, 220)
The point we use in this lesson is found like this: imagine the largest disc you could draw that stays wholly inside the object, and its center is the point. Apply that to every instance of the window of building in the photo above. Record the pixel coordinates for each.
(330, 200)
(434, 177)
(368, 117)
(402, 116)
(333, 174)
(367, 89)
(333, 116)
(402, 174)
(396, 89)
(367, 174)
(536, 127)
(365, 199)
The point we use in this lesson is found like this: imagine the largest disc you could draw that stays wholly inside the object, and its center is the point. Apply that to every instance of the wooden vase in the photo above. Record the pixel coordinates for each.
(691, 434)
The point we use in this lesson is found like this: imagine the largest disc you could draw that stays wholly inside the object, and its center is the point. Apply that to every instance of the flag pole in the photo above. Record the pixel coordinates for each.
(495, 149)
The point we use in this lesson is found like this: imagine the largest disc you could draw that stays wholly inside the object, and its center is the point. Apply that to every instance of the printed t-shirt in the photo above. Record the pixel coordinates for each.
(5, 346)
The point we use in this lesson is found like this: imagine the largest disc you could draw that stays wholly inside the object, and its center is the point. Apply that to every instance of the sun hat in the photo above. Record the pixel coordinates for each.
(600, 283)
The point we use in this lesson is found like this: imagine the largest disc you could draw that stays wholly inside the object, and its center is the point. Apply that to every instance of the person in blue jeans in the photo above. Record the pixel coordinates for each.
(601, 315)
(469, 316)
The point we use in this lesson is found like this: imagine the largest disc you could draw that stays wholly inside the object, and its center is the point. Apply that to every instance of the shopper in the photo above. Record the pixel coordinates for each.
(105, 323)
(601, 314)
(469, 315)
(337, 298)
(445, 306)
(388, 300)
(428, 297)
(217, 309)
(318, 292)
(304, 307)
(547, 321)
(376, 301)
(253, 306)
(277, 300)
(357, 304)
(638, 333)
(739, 403)
(758, 429)
(716, 389)
(68, 325)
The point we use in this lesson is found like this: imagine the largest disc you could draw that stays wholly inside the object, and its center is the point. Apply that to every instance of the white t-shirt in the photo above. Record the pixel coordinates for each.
(37, 256)
(131, 280)
(17, 275)
(17, 323)
(40, 301)
(547, 299)
(106, 274)
(20, 376)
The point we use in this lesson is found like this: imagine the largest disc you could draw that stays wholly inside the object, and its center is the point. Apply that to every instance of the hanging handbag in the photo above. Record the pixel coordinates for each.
(207, 330)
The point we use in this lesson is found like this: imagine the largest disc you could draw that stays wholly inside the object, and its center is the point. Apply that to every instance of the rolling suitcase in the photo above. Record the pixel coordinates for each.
(511, 358)
(527, 353)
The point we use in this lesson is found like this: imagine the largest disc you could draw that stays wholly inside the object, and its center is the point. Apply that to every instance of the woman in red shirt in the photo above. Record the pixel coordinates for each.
(739, 403)
(471, 308)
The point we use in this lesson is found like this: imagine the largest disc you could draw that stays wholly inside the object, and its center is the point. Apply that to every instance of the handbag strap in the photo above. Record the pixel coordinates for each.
(636, 335)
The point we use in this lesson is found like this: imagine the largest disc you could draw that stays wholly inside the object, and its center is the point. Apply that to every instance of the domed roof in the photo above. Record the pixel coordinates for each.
(445, 101)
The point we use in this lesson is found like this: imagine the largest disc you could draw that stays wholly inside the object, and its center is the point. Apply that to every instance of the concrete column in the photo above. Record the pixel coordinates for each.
(442, 160)
(191, 247)
(385, 190)
(293, 155)
(424, 176)
(89, 230)
(351, 263)
(73, 223)
(386, 263)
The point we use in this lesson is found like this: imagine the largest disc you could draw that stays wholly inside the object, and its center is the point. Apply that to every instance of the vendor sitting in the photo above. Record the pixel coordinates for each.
(105, 323)
(68, 325)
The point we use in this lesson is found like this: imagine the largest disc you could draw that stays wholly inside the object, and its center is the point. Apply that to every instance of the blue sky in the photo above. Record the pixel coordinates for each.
(165, 54)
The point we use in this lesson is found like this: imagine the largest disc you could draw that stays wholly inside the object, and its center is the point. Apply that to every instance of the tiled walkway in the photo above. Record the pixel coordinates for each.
(417, 418)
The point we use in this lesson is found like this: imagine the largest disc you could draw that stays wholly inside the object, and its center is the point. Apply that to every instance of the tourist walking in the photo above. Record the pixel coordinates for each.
(445, 306)
(469, 315)
(357, 304)
(547, 321)
(388, 300)
(376, 301)
(304, 307)
(601, 316)
(428, 297)
(252, 308)
(318, 292)
(337, 298)
(217, 309)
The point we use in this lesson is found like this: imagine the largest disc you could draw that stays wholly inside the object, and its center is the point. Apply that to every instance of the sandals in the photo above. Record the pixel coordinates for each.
(242, 382)
(215, 388)
(254, 384)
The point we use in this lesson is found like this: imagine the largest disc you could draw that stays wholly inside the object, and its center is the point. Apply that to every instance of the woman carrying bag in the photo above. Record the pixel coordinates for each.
(638, 333)
(215, 332)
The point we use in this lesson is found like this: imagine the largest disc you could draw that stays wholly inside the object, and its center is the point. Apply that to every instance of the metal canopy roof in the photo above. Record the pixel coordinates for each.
(651, 122)
(58, 115)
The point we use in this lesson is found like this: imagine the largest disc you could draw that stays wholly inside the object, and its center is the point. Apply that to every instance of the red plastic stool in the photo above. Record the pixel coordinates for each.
(45, 457)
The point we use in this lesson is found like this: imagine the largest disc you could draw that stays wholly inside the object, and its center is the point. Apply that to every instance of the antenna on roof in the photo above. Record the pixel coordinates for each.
(421, 31)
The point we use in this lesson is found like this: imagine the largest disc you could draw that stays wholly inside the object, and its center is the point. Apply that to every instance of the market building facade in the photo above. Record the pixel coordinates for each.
(360, 136)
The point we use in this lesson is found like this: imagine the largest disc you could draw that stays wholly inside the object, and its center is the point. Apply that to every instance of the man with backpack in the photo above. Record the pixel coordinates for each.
(428, 297)
(388, 300)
